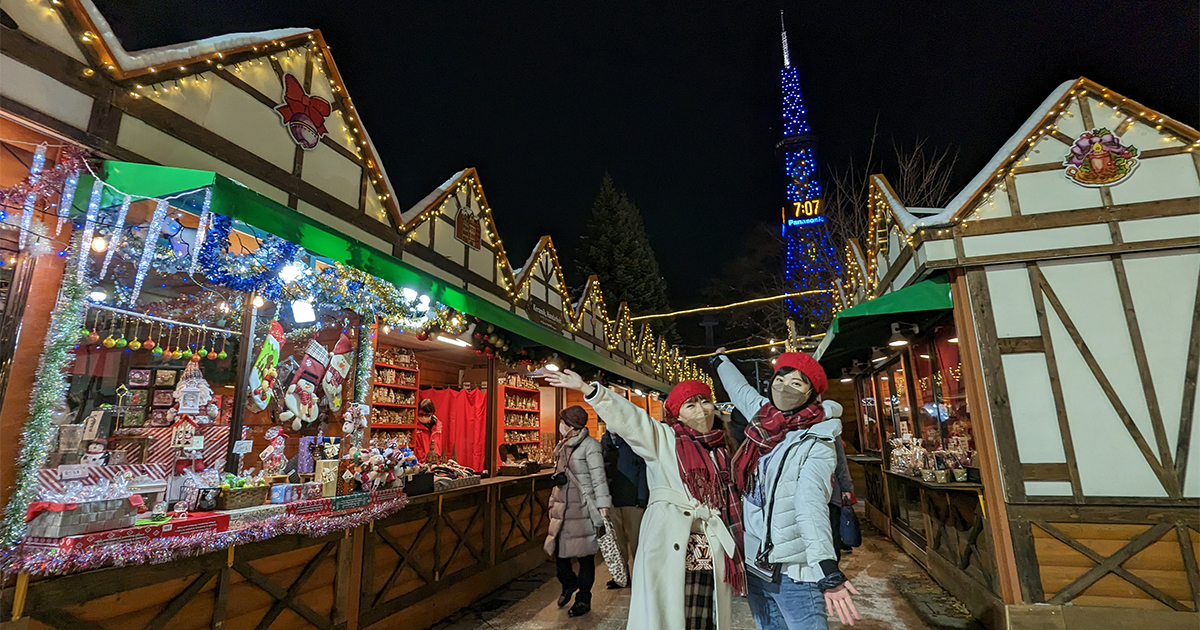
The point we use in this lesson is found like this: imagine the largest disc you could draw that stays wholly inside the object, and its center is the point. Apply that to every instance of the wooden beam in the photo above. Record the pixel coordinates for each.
(1028, 568)
(1080, 252)
(1083, 216)
(1014, 205)
(1107, 565)
(1120, 571)
(1189, 562)
(1188, 406)
(241, 158)
(1123, 513)
(981, 429)
(1167, 479)
(1020, 345)
(1056, 391)
(906, 254)
(1045, 472)
(177, 603)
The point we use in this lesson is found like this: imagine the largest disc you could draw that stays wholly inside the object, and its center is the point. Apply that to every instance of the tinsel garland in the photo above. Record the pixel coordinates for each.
(42, 561)
(255, 272)
(71, 161)
(363, 377)
(35, 174)
(49, 391)
(115, 239)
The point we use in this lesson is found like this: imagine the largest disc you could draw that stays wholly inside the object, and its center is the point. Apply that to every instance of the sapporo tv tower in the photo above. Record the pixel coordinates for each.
(811, 261)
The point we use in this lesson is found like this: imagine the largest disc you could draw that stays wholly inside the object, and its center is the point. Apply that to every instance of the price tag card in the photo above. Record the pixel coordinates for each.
(72, 471)
(241, 447)
(197, 443)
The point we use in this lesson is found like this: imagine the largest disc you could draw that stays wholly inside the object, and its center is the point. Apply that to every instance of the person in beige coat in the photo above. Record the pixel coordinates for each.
(578, 505)
(688, 564)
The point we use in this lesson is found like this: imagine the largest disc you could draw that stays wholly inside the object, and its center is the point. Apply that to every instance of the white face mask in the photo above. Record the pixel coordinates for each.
(563, 428)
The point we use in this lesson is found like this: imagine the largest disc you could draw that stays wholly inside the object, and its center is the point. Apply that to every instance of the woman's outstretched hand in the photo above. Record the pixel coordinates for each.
(838, 601)
(569, 380)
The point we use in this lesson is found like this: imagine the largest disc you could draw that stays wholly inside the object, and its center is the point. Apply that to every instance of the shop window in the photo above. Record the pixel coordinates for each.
(869, 410)
(892, 399)
(931, 413)
(957, 424)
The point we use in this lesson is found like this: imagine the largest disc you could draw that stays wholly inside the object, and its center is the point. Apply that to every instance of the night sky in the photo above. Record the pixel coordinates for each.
(680, 103)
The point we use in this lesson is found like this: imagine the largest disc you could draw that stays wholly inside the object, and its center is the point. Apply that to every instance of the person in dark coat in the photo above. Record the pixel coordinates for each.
(630, 493)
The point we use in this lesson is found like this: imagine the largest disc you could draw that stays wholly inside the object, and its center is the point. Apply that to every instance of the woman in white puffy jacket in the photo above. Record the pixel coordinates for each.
(783, 470)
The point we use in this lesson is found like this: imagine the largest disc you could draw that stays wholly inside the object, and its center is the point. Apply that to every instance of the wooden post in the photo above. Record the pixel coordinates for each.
(985, 447)
(491, 442)
(245, 347)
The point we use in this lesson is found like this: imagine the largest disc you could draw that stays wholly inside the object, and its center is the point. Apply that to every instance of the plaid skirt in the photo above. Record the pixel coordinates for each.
(698, 600)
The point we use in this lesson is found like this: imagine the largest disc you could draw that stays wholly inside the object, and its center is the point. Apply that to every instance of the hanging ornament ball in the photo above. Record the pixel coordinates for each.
(479, 352)
(491, 328)
(109, 342)
(149, 344)
(493, 339)
(222, 355)
(83, 331)
(212, 354)
(158, 351)
(195, 358)
(93, 337)
(178, 354)
(122, 342)
(135, 345)
(186, 354)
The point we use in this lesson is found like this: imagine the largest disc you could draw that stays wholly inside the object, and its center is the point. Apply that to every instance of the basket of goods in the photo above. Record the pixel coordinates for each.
(241, 492)
(80, 509)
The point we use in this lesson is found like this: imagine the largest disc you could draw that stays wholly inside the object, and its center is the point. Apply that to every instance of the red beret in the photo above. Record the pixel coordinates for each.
(683, 391)
(807, 366)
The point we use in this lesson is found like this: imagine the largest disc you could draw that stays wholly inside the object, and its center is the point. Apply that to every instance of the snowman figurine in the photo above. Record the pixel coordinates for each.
(97, 454)
(301, 398)
(339, 368)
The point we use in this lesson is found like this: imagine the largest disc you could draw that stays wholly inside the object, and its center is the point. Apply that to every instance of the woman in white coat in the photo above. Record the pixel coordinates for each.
(689, 564)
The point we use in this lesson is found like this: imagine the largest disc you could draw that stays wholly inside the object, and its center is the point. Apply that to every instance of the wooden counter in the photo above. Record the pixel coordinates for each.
(438, 554)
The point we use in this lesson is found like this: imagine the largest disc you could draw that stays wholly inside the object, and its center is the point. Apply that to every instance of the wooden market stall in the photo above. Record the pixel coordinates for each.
(285, 288)
(1048, 320)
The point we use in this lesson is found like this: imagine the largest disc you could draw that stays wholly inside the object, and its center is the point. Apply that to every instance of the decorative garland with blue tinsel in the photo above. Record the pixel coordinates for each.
(257, 271)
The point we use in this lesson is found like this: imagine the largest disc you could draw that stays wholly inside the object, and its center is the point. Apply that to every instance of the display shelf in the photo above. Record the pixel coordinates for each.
(397, 367)
(383, 404)
(522, 410)
(516, 428)
(525, 442)
(388, 425)
(394, 386)
(522, 389)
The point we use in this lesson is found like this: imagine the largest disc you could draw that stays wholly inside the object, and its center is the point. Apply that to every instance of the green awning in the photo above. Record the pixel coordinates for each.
(863, 326)
(243, 204)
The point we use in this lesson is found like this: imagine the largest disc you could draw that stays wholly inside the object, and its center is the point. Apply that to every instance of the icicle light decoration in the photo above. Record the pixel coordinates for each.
(201, 230)
(115, 238)
(152, 234)
(35, 173)
(89, 226)
(65, 201)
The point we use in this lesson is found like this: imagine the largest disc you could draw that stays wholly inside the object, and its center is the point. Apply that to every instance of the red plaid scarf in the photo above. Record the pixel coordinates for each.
(704, 467)
(767, 429)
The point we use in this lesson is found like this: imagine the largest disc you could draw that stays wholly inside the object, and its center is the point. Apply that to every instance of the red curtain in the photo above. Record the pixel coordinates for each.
(463, 415)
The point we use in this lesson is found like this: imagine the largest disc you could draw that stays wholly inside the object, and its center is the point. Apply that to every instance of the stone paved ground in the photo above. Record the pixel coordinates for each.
(528, 603)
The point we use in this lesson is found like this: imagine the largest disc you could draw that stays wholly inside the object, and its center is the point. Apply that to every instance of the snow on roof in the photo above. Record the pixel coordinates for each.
(410, 214)
(165, 55)
(906, 219)
(922, 212)
(945, 216)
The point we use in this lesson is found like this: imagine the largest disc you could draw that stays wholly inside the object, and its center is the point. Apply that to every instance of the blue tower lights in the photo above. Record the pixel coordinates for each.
(811, 262)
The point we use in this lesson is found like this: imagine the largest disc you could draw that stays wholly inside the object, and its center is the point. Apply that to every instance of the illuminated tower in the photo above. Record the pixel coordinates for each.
(811, 261)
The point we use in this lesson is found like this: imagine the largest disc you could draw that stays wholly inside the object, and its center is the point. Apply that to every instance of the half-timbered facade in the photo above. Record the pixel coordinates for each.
(1074, 259)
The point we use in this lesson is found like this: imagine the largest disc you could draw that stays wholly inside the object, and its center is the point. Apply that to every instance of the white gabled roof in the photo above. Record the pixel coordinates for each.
(166, 55)
(988, 172)
(408, 215)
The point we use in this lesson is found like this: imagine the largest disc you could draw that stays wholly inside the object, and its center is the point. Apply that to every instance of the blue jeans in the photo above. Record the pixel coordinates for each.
(785, 606)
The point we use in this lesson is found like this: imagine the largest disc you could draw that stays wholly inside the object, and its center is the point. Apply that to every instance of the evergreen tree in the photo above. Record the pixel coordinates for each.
(617, 251)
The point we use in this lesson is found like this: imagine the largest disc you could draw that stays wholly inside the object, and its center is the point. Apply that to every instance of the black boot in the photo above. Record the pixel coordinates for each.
(612, 584)
(579, 609)
(565, 598)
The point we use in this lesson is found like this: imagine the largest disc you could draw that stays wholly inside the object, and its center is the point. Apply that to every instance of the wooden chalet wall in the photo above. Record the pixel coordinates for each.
(1085, 303)
(212, 107)
(537, 289)
(213, 111)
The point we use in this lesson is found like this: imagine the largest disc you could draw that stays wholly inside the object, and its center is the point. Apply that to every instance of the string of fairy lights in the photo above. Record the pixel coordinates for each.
(882, 200)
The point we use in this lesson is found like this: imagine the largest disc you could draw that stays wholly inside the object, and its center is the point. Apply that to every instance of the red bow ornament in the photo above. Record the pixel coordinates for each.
(304, 115)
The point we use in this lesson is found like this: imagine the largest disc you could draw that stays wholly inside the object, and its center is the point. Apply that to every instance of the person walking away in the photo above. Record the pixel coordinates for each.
(627, 483)
(784, 472)
(578, 504)
(683, 580)
(843, 485)
(428, 436)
